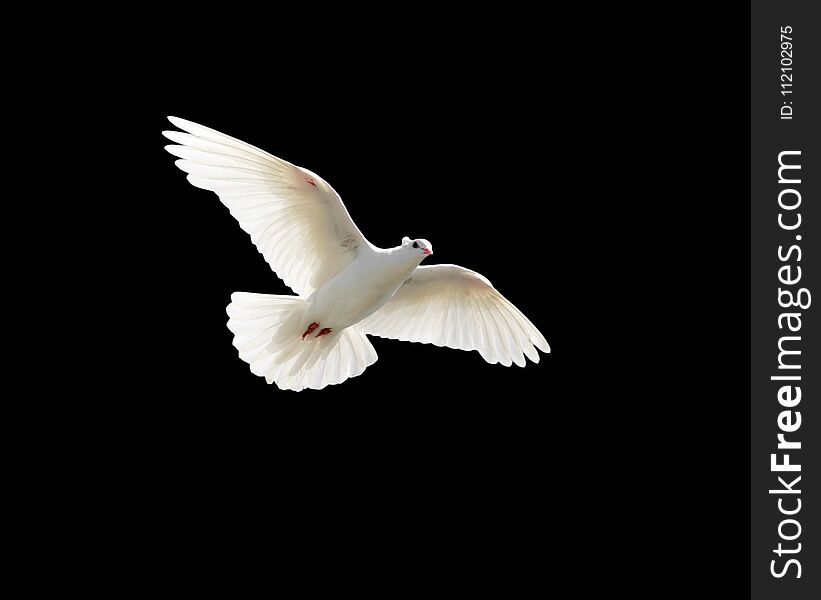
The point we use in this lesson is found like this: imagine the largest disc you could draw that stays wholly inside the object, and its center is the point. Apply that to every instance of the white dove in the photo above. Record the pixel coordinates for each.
(347, 286)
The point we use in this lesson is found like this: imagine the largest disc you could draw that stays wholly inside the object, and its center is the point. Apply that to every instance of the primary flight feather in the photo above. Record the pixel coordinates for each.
(347, 286)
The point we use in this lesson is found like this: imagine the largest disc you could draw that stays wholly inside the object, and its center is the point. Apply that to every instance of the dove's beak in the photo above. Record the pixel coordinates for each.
(426, 251)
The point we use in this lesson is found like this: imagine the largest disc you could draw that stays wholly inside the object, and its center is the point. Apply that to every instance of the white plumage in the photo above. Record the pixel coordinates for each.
(347, 287)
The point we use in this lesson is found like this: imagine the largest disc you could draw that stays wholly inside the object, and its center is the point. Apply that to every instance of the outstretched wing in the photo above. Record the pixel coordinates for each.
(295, 218)
(448, 305)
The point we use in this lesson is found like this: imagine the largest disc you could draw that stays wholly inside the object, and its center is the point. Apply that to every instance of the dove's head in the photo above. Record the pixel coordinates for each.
(418, 247)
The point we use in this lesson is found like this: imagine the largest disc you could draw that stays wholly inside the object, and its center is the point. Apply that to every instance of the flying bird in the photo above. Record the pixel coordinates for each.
(347, 287)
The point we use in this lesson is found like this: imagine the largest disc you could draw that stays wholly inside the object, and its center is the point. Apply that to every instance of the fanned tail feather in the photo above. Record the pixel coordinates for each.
(267, 332)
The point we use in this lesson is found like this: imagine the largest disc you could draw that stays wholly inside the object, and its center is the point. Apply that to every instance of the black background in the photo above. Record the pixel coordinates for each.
(583, 169)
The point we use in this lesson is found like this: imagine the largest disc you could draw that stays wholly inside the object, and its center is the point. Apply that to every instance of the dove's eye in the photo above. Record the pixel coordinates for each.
(415, 244)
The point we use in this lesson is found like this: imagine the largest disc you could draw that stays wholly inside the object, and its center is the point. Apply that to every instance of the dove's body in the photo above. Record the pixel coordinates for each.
(361, 289)
(346, 286)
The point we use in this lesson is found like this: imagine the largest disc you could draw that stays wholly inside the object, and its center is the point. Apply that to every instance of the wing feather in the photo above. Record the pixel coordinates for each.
(294, 217)
(448, 305)
(497, 335)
